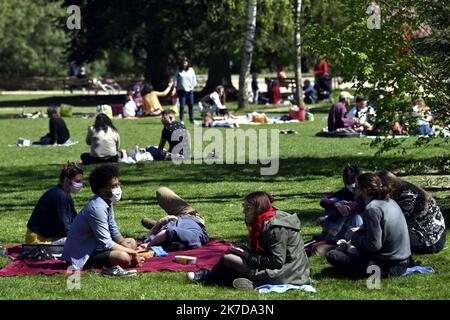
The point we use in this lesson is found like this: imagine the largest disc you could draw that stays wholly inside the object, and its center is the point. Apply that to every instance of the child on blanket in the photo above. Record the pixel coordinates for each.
(340, 215)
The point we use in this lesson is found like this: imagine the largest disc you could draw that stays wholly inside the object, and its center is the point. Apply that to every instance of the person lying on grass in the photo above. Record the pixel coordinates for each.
(426, 224)
(94, 239)
(383, 239)
(54, 212)
(182, 228)
(342, 212)
(276, 254)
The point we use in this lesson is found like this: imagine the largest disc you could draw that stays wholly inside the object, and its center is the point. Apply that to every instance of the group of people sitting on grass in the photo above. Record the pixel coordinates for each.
(375, 219)
(383, 219)
(361, 118)
(104, 140)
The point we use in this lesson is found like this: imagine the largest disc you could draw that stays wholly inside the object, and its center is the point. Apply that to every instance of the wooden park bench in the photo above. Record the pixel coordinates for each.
(286, 82)
(73, 83)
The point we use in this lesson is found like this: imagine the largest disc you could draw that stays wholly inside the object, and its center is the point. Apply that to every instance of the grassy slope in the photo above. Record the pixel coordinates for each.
(309, 168)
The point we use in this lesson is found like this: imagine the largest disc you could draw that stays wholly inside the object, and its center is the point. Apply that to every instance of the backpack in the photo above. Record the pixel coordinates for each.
(106, 109)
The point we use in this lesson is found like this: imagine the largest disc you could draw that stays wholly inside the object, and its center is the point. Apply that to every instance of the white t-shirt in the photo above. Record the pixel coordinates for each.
(129, 109)
(363, 113)
(216, 99)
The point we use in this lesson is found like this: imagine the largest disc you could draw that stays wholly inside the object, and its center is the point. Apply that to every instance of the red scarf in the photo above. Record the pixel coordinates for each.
(256, 228)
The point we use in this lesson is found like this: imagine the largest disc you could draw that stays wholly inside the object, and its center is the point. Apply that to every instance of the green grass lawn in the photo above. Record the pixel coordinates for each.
(310, 168)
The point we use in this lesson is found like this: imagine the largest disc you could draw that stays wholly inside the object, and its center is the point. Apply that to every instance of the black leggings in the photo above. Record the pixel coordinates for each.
(86, 159)
(418, 247)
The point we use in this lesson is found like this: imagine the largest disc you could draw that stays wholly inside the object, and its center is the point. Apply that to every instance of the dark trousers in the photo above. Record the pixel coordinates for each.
(86, 159)
(418, 247)
(355, 265)
(183, 98)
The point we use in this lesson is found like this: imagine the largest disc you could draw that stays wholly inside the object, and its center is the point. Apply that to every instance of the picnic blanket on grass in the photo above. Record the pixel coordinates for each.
(208, 256)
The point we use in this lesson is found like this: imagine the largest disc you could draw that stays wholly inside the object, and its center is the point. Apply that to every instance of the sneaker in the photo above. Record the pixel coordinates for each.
(117, 271)
(148, 223)
(243, 284)
(198, 276)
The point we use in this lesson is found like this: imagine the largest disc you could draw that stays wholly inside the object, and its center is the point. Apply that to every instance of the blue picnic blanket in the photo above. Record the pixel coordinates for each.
(418, 269)
(281, 288)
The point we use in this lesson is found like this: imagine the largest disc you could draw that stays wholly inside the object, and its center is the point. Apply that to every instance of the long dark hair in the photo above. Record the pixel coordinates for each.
(396, 185)
(373, 185)
(146, 88)
(260, 200)
(103, 122)
(350, 170)
(222, 98)
(180, 63)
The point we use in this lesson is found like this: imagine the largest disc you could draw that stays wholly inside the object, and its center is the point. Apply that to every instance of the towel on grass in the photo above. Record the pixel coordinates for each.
(418, 269)
(208, 256)
(159, 251)
(281, 288)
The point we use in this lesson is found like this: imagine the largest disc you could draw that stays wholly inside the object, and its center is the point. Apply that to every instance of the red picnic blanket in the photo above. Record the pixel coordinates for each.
(208, 256)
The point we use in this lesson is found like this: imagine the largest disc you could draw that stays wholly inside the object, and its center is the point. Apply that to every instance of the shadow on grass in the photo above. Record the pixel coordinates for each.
(75, 100)
(295, 169)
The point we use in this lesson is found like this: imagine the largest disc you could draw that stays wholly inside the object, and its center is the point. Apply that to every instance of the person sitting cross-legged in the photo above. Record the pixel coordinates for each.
(175, 134)
(54, 212)
(383, 239)
(94, 239)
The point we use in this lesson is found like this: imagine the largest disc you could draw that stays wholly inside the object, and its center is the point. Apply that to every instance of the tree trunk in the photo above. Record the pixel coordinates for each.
(247, 53)
(156, 68)
(219, 73)
(298, 58)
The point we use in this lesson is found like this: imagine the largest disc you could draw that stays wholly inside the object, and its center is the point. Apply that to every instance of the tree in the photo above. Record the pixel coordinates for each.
(298, 52)
(31, 45)
(143, 28)
(392, 59)
(247, 52)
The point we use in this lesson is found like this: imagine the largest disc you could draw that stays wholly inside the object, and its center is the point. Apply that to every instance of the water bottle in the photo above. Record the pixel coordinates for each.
(3, 250)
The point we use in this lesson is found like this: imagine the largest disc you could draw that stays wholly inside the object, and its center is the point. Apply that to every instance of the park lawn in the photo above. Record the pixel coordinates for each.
(310, 168)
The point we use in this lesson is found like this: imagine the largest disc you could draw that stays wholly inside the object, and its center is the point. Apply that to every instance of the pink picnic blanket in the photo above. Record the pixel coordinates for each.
(208, 256)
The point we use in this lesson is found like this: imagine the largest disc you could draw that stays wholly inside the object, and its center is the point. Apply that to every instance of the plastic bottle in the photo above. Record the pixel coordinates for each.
(3, 250)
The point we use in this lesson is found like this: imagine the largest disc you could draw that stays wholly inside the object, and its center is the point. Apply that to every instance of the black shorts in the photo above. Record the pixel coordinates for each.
(98, 259)
(224, 112)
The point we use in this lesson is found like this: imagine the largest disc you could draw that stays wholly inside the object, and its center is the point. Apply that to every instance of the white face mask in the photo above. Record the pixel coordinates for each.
(116, 194)
(351, 187)
(76, 186)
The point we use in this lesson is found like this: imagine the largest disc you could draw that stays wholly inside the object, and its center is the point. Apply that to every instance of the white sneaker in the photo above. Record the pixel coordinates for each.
(118, 271)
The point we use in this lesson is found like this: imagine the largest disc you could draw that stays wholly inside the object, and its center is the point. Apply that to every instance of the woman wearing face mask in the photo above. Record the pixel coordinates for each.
(94, 239)
(383, 240)
(342, 212)
(54, 212)
(276, 255)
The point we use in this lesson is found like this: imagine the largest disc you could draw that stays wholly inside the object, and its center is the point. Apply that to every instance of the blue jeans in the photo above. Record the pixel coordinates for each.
(423, 129)
(183, 98)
